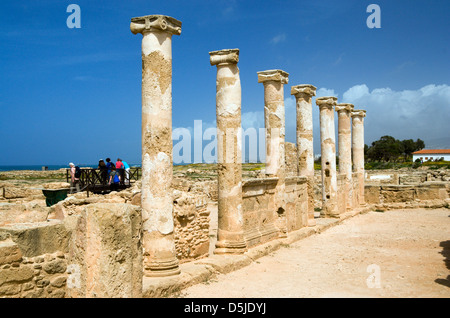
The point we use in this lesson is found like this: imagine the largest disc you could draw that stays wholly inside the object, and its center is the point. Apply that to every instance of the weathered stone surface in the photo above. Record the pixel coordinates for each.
(358, 149)
(274, 120)
(259, 206)
(16, 275)
(58, 281)
(39, 238)
(106, 252)
(305, 149)
(55, 267)
(328, 153)
(157, 167)
(23, 212)
(9, 252)
(345, 153)
(230, 235)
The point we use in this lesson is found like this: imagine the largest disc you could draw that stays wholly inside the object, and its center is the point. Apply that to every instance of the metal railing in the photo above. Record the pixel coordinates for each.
(98, 179)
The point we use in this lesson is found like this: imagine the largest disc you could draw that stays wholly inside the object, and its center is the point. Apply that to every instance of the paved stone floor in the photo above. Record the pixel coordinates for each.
(398, 253)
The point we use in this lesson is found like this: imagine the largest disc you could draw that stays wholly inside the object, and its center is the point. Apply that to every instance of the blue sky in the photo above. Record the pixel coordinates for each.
(75, 94)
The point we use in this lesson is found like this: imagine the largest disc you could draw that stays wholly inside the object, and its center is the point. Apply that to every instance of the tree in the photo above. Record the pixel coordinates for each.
(387, 148)
(420, 144)
(409, 146)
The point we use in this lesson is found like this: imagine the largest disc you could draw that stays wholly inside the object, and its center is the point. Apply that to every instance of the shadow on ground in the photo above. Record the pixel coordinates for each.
(446, 253)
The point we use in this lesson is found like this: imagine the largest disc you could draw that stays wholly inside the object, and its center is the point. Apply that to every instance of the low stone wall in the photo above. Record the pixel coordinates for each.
(342, 193)
(105, 251)
(438, 175)
(381, 177)
(32, 260)
(296, 203)
(192, 226)
(42, 276)
(260, 216)
(406, 176)
(21, 212)
(95, 253)
(381, 194)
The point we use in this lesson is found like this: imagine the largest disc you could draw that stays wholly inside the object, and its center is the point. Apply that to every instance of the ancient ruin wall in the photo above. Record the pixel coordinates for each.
(296, 196)
(192, 226)
(259, 213)
(32, 260)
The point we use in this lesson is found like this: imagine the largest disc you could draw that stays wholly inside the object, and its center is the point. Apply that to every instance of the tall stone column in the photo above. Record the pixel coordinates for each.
(345, 148)
(358, 149)
(305, 151)
(274, 120)
(157, 168)
(230, 236)
(328, 151)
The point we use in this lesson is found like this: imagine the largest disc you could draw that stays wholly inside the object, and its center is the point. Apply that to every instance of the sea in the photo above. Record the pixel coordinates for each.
(49, 167)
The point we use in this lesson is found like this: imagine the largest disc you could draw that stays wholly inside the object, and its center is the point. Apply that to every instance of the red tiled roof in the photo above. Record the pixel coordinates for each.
(432, 151)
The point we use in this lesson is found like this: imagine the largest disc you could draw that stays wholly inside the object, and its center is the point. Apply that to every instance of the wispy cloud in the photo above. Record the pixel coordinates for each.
(278, 38)
(229, 8)
(339, 59)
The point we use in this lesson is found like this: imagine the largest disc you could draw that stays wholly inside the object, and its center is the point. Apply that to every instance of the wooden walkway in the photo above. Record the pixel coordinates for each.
(97, 181)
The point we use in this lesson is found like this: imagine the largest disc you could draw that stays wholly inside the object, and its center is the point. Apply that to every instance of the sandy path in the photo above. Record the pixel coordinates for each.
(400, 253)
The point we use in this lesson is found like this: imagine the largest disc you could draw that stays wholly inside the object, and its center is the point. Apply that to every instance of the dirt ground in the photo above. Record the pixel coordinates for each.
(398, 253)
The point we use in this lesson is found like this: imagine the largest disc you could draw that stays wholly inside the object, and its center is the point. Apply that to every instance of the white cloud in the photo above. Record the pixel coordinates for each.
(279, 38)
(409, 114)
(326, 92)
(355, 92)
(423, 113)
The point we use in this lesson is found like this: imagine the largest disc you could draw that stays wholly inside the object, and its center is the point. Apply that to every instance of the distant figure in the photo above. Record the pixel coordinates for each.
(111, 170)
(103, 171)
(120, 169)
(127, 171)
(74, 178)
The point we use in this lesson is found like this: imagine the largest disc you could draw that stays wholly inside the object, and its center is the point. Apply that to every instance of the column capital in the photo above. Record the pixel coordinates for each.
(326, 101)
(273, 75)
(358, 112)
(344, 107)
(306, 89)
(228, 56)
(155, 22)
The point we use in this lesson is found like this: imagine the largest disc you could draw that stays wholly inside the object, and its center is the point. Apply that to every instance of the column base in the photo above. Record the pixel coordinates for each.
(230, 248)
(162, 269)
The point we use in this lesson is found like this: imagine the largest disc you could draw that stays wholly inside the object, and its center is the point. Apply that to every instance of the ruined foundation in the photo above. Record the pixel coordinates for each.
(171, 230)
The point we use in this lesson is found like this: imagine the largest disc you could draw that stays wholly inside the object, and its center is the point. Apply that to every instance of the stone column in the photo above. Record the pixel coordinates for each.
(305, 151)
(274, 120)
(157, 168)
(230, 236)
(345, 148)
(328, 151)
(358, 149)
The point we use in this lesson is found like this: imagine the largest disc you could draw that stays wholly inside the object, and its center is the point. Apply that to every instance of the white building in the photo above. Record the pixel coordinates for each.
(431, 154)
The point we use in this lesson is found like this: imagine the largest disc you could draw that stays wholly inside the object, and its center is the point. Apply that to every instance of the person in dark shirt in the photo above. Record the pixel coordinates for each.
(103, 171)
(111, 170)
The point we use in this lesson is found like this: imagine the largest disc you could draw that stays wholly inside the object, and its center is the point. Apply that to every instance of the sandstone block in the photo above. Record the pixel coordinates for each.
(106, 258)
(55, 267)
(9, 252)
(16, 275)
